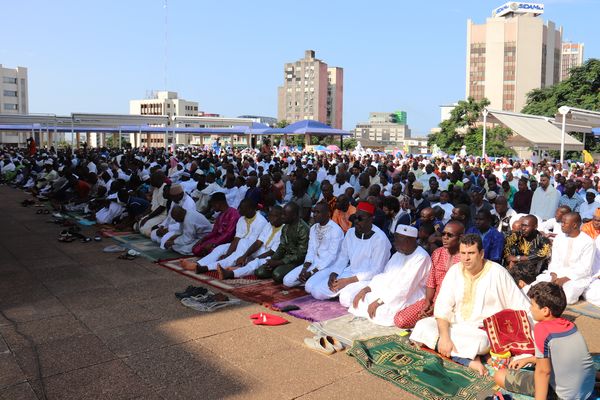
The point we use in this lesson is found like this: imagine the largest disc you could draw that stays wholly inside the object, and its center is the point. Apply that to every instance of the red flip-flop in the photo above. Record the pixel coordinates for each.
(256, 316)
(270, 320)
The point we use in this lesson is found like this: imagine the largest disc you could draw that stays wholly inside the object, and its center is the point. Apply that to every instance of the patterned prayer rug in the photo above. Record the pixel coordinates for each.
(349, 328)
(210, 277)
(420, 373)
(146, 247)
(585, 308)
(314, 310)
(267, 293)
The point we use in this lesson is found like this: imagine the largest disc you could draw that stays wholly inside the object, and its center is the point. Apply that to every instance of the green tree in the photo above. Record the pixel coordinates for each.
(350, 143)
(580, 90)
(111, 143)
(461, 129)
(282, 123)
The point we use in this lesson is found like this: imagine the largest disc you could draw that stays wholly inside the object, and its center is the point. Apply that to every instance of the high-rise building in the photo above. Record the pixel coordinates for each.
(14, 98)
(383, 129)
(572, 56)
(161, 103)
(311, 90)
(511, 54)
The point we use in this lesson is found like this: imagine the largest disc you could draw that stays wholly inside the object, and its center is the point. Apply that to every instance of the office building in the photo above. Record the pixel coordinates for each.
(161, 103)
(514, 52)
(384, 129)
(14, 99)
(572, 56)
(311, 90)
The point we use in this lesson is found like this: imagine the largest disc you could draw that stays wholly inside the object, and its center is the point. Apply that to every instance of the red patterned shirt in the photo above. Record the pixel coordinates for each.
(441, 261)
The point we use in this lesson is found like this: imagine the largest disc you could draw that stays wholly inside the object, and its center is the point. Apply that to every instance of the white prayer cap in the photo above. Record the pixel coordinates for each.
(48, 162)
(407, 230)
(112, 196)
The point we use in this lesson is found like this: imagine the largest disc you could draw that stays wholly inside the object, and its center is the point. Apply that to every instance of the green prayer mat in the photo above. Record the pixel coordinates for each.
(146, 247)
(418, 372)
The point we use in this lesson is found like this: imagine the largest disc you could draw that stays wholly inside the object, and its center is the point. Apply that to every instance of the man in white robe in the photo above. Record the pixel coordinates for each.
(194, 226)
(545, 199)
(401, 283)
(365, 251)
(169, 226)
(247, 230)
(471, 291)
(158, 205)
(324, 241)
(112, 210)
(259, 252)
(573, 254)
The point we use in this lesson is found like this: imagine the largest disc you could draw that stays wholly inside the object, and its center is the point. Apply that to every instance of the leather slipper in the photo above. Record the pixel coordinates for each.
(320, 344)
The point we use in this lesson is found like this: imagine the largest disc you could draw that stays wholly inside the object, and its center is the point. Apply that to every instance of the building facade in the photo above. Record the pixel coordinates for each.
(161, 103)
(311, 90)
(572, 56)
(14, 99)
(511, 54)
(384, 129)
(271, 121)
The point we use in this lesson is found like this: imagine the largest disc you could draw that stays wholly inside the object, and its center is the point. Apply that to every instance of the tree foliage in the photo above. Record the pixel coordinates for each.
(461, 129)
(580, 90)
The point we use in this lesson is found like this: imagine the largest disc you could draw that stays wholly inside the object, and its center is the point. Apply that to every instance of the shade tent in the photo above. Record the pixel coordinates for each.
(569, 116)
(531, 130)
(307, 127)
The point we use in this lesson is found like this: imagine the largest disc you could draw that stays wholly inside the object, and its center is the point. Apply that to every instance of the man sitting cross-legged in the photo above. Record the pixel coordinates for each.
(402, 282)
(441, 261)
(472, 290)
(247, 230)
(572, 258)
(324, 242)
(169, 227)
(292, 247)
(193, 227)
(260, 251)
(364, 252)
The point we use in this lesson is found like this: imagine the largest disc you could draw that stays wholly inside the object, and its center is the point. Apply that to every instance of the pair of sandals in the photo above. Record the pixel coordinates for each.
(324, 344)
(46, 211)
(72, 234)
(27, 203)
(267, 319)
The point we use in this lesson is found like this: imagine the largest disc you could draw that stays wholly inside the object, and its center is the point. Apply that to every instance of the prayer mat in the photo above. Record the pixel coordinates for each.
(418, 372)
(349, 328)
(146, 247)
(210, 277)
(267, 292)
(510, 330)
(314, 310)
(79, 217)
(108, 232)
(585, 308)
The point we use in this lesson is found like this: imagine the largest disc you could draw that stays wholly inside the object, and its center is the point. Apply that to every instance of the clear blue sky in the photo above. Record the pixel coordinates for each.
(86, 56)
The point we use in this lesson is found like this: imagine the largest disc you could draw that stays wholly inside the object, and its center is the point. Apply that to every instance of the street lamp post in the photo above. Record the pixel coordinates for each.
(564, 110)
(485, 114)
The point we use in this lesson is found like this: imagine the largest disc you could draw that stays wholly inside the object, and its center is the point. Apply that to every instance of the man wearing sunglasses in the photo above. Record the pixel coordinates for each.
(364, 252)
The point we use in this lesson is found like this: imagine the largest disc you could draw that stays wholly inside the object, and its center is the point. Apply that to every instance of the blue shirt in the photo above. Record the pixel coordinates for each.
(493, 243)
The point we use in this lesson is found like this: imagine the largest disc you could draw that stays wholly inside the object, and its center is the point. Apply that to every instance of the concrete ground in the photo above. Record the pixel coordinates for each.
(78, 323)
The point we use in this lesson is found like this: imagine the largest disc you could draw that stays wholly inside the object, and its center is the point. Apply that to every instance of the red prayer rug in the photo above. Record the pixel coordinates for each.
(510, 330)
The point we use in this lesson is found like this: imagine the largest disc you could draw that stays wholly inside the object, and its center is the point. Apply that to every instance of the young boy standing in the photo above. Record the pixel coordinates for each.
(563, 366)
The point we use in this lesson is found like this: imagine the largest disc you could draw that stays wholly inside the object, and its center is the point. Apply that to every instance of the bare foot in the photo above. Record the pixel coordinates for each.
(224, 273)
(478, 366)
(188, 265)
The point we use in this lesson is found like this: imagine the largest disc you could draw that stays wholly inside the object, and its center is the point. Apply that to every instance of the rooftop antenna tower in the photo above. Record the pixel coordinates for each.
(165, 7)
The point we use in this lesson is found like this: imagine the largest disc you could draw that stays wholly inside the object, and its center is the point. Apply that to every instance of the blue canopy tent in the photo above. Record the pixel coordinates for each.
(596, 131)
(309, 127)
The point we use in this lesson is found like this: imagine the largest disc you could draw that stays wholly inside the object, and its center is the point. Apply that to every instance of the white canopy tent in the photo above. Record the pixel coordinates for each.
(575, 120)
(530, 131)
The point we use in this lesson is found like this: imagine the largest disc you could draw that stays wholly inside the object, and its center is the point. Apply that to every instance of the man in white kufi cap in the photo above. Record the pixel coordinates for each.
(401, 283)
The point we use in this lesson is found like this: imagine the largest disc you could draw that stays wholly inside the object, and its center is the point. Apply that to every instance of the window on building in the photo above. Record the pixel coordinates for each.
(8, 79)
(11, 107)
(10, 93)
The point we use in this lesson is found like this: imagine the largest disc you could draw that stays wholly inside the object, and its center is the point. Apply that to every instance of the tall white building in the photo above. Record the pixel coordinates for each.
(14, 97)
(161, 103)
(512, 53)
(572, 56)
